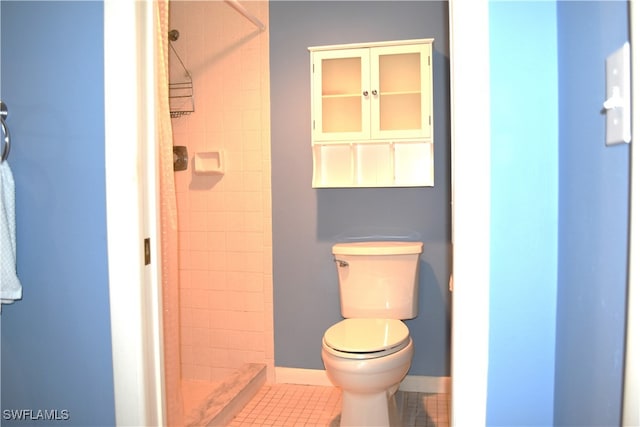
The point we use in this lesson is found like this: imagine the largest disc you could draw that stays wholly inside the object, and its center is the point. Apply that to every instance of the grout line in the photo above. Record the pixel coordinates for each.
(286, 405)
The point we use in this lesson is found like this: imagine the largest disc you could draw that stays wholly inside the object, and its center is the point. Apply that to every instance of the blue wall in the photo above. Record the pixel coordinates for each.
(556, 342)
(524, 212)
(56, 343)
(306, 221)
(559, 219)
(593, 221)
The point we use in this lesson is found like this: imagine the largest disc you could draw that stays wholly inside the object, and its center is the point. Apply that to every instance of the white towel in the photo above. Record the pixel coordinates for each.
(10, 288)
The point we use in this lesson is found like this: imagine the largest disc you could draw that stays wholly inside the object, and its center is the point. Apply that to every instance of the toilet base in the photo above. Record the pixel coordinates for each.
(368, 386)
(369, 410)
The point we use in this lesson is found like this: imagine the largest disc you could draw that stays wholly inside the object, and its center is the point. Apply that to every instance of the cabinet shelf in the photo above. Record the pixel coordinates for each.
(404, 92)
(341, 95)
(357, 95)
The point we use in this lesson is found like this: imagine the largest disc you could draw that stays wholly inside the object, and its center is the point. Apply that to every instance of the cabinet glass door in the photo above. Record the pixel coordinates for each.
(401, 105)
(341, 113)
(341, 83)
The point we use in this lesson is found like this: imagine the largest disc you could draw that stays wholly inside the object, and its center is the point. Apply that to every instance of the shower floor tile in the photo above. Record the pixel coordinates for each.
(285, 405)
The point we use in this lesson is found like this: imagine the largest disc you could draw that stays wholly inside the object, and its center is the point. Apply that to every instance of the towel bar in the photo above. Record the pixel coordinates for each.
(5, 130)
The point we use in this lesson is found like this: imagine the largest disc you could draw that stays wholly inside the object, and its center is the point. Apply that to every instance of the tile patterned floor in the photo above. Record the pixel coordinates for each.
(289, 405)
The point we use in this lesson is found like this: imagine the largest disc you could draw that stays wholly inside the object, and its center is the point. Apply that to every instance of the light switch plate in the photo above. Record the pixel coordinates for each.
(618, 103)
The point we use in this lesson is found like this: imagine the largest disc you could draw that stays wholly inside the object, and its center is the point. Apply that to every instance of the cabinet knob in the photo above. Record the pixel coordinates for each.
(365, 93)
(374, 92)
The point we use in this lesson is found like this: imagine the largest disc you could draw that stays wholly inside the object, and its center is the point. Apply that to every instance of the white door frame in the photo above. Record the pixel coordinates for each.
(129, 124)
(131, 187)
(631, 396)
(471, 181)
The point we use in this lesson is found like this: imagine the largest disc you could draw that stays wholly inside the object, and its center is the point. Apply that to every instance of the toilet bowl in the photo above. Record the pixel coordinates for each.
(367, 359)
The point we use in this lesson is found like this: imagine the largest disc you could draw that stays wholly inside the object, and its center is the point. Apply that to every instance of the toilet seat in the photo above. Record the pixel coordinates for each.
(366, 338)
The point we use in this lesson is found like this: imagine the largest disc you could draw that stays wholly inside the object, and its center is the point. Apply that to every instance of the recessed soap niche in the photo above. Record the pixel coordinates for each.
(209, 162)
(367, 164)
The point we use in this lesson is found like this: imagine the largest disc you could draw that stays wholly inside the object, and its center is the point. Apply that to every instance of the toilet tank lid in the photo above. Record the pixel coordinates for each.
(377, 248)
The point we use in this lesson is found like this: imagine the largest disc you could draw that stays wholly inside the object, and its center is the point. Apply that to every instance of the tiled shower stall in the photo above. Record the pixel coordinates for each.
(226, 302)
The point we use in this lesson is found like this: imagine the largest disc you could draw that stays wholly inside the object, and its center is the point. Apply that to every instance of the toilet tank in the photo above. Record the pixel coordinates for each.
(378, 279)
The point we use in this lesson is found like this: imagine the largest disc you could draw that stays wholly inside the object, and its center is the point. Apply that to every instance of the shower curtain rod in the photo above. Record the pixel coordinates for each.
(240, 8)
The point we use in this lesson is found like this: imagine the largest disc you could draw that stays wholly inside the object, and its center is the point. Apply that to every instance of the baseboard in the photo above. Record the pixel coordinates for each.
(302, 376)
(426, 384)
(419, 383)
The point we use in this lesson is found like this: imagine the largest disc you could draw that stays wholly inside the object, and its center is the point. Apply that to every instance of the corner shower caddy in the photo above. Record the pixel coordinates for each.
(180, 92)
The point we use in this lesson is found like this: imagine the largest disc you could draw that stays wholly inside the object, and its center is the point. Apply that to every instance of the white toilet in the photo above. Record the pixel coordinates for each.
(369, 352)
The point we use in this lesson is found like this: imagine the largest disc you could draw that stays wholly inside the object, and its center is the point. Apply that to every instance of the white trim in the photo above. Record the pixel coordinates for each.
(134, 304)
(426, 384)
(471, 185)
(367, 45)
(302, 376)
(153, 347)
(417, 383)
(631, 397)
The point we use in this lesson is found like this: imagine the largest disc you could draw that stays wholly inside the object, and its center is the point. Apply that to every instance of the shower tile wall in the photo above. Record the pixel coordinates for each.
(224, 222)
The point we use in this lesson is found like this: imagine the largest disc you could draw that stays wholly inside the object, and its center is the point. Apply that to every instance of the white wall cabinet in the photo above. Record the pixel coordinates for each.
(372, 123)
